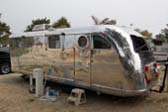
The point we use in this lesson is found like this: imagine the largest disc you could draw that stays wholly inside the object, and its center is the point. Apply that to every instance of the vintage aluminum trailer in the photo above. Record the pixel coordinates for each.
(104, 58)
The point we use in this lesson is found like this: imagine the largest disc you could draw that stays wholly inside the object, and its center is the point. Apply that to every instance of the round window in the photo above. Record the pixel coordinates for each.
(82, 41)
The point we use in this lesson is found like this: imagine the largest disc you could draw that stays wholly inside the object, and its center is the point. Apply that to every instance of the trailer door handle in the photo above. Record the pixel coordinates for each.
(91, 61)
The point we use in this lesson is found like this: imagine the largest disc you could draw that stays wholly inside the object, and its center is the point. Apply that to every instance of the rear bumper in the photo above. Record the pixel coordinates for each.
(135, 92)
(119, 92)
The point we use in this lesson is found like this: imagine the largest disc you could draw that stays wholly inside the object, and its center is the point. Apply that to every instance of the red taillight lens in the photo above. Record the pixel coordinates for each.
(148, 81)
(146, 68)
(155, 65)
(147, 74)
(156, 74)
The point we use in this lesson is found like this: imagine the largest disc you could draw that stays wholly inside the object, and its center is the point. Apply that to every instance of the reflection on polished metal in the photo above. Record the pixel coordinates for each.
(106, 62)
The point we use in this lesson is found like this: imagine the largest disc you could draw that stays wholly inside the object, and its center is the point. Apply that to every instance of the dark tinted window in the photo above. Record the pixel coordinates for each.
(22, 42)
(18, 43)
(54, 41)
(139, 44)
(4, 55)
(82, 41)
(100, 42)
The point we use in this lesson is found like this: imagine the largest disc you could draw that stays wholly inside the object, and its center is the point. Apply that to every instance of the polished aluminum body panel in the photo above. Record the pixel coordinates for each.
(118, 70)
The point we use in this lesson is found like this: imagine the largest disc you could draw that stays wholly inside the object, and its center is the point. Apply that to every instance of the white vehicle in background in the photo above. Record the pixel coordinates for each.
(160, 50)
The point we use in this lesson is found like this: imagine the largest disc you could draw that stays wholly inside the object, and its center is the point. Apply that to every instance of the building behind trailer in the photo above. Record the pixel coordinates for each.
(160, 50)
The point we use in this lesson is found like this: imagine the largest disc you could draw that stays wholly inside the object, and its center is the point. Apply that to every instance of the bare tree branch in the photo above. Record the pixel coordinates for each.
(104, 21)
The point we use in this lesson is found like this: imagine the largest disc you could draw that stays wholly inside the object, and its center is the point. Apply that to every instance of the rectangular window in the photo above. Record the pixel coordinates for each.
(54, 41)
(18, 43)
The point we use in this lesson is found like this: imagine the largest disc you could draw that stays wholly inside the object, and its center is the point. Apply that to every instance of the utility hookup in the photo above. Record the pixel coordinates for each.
(38, 76)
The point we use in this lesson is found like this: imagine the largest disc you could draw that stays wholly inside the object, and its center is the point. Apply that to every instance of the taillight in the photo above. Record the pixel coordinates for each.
(147, 74)
(155, 65)
(156, 74)
(146, 68)
(148, 81)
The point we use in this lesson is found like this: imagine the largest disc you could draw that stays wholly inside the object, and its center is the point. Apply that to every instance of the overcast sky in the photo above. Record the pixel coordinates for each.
(143, 14)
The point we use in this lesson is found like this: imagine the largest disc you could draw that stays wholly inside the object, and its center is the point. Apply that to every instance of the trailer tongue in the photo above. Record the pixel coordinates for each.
(161, 87)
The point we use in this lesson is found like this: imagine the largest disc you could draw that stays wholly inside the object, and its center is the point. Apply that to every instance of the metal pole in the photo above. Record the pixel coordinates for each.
(31, 82)
(165, 79)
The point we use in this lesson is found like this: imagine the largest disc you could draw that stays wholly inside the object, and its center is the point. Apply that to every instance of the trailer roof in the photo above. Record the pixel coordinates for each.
(82, 30)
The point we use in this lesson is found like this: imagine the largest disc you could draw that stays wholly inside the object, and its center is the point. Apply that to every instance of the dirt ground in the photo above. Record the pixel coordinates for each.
(15, 97)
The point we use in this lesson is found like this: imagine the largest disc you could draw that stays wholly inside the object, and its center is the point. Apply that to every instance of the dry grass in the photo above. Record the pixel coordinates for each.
(14, 97)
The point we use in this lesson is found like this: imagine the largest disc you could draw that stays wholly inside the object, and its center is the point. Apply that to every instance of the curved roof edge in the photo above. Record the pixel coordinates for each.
(80, 30)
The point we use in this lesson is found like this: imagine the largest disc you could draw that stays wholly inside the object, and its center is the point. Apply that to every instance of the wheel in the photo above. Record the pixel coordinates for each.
(5, 68)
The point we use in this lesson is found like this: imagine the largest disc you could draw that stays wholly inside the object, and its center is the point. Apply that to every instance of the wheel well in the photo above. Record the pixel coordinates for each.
(3, 62)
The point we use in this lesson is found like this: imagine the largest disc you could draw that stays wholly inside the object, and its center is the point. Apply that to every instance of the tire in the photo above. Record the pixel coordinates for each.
(5, 68)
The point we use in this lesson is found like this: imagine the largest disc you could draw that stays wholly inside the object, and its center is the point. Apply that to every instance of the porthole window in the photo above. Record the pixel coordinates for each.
(83, 41)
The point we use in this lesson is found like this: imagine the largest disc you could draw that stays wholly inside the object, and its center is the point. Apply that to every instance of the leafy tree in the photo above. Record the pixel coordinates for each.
(160, 36)
(163, 36)
(105, 21)
(37, 22)
(61, 23)
(145, 33)
(4, 33)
